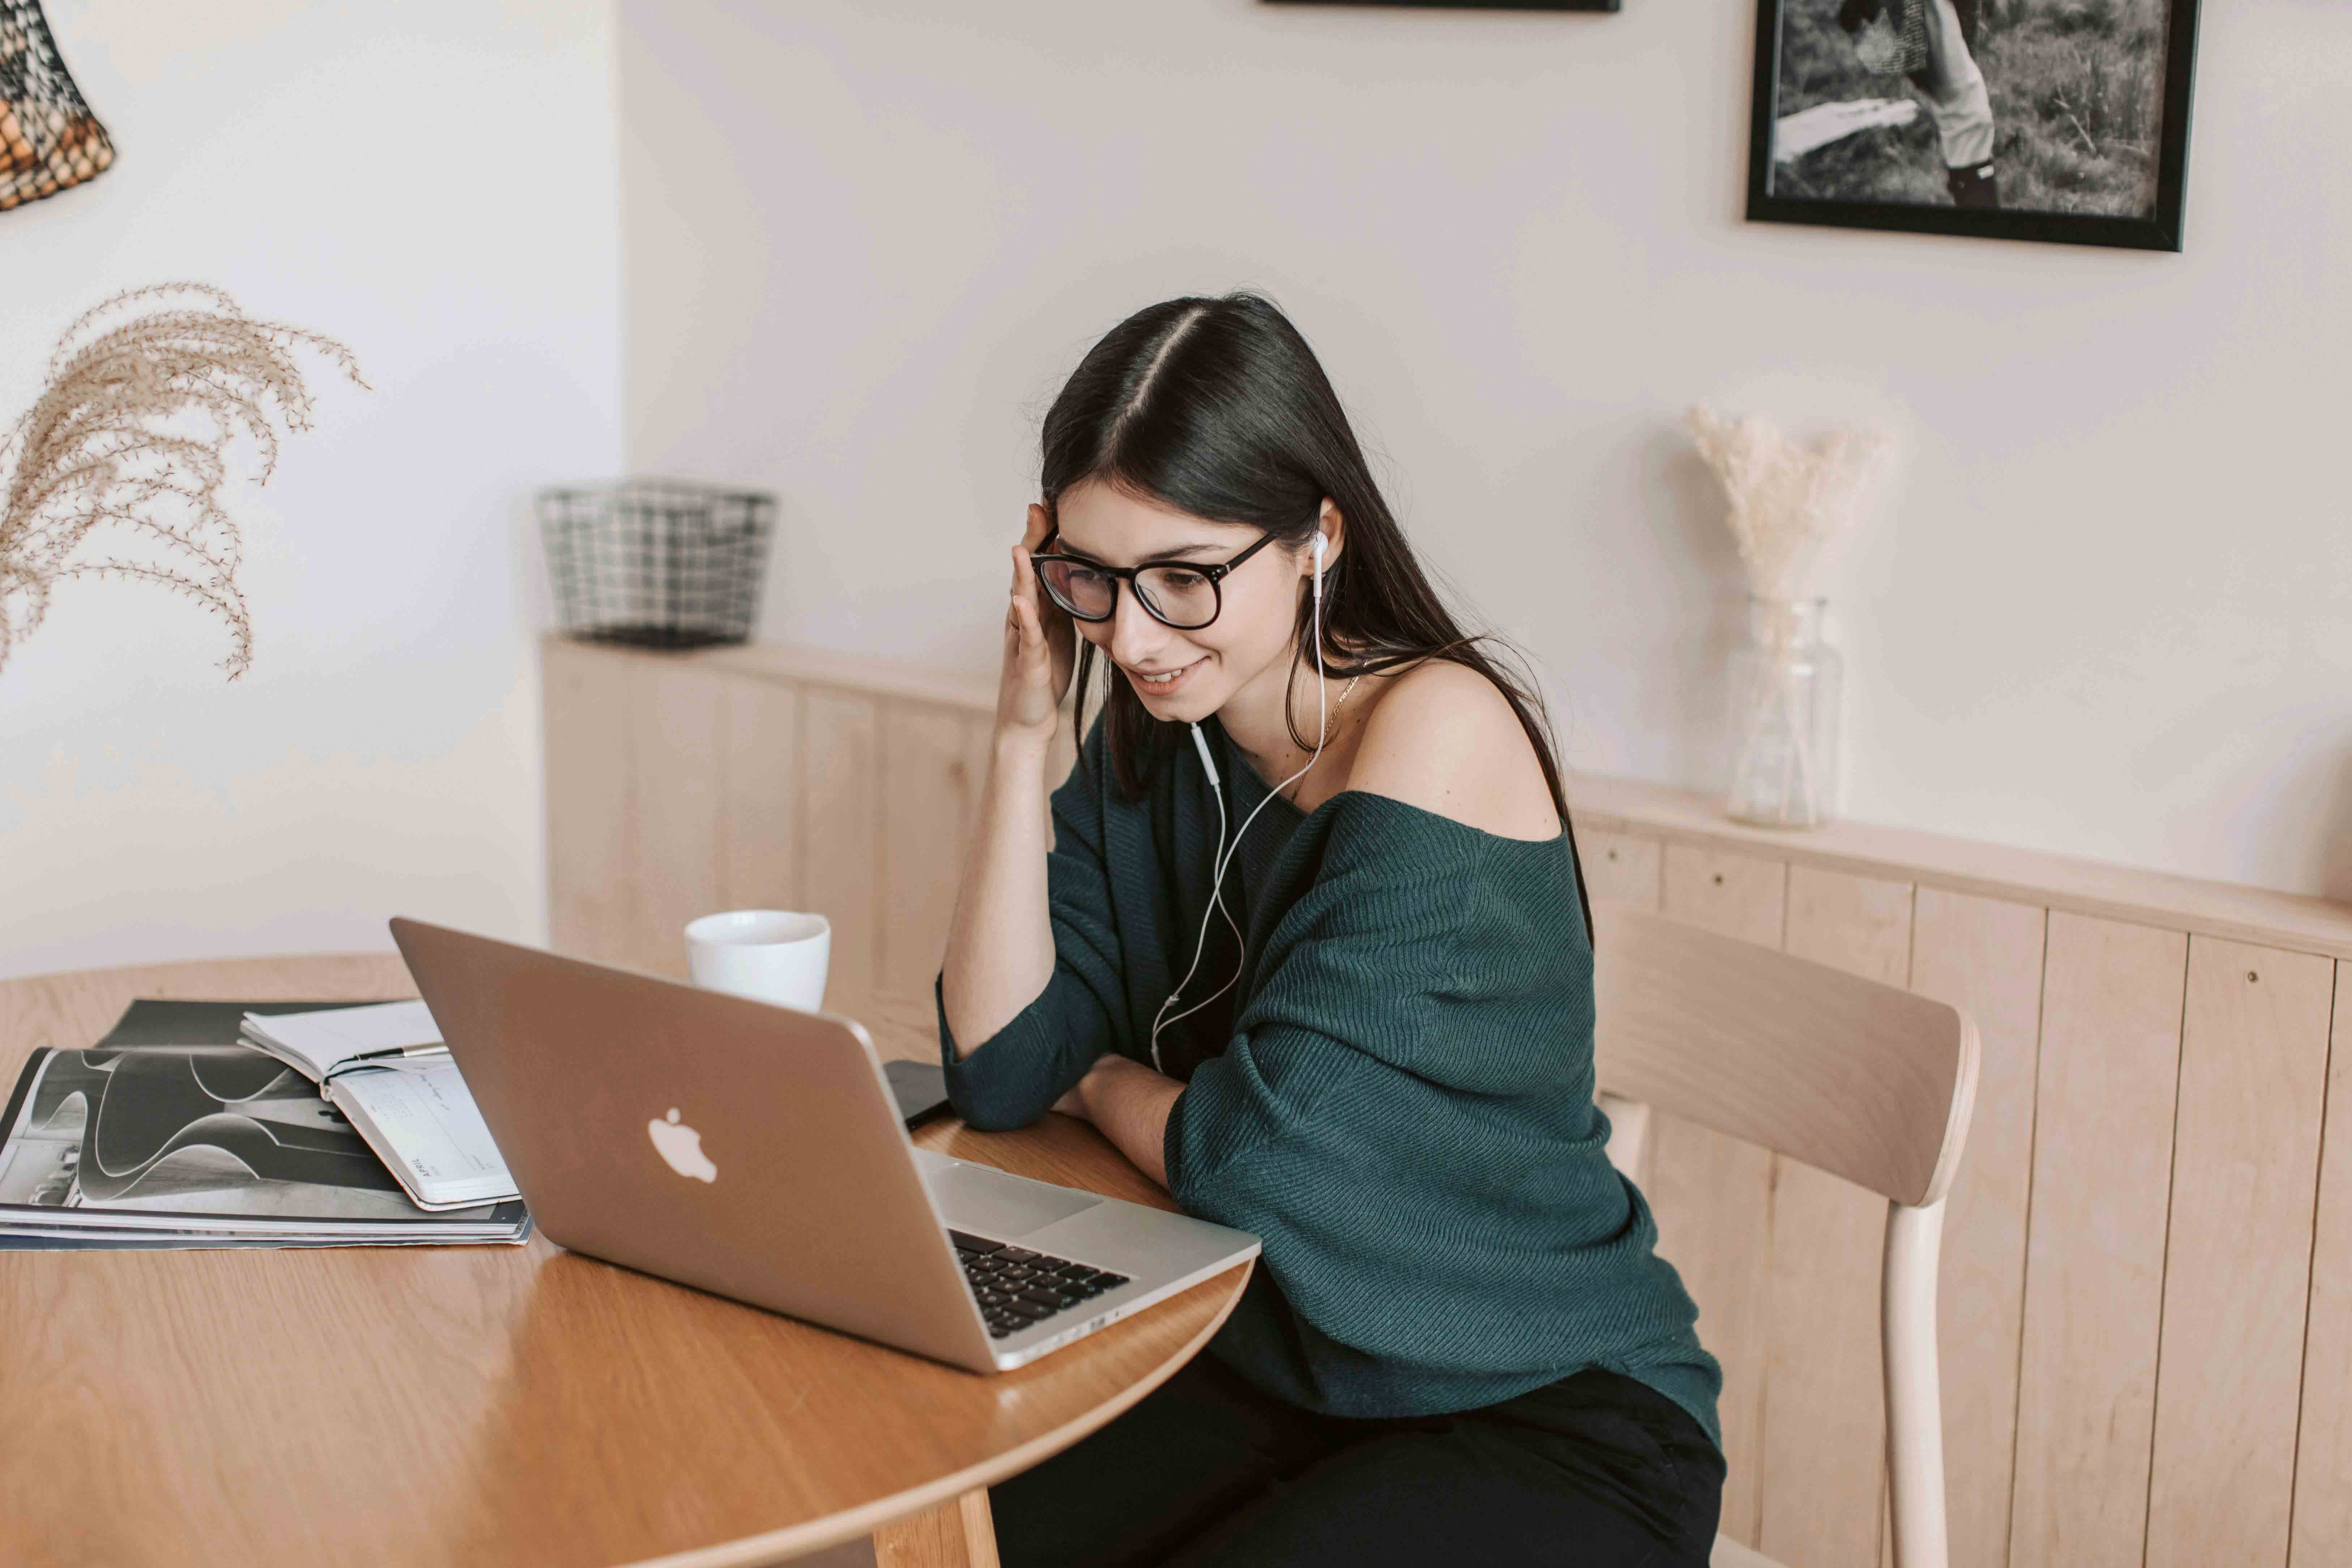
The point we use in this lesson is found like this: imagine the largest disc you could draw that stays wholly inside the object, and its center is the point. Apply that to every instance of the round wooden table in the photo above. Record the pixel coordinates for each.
(499, 1405)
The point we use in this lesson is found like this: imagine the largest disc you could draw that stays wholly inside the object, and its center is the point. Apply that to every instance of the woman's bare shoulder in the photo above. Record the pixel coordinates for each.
(1445, 738)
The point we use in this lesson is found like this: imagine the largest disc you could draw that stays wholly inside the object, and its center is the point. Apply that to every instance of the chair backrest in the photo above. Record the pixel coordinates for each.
(1857, 1077)
(1853, 1077)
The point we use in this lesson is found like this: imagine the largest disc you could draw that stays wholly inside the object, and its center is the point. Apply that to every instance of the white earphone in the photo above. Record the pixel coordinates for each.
(1321, 543)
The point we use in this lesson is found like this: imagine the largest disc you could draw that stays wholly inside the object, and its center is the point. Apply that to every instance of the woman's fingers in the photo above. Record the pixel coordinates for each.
(1040, 642)
(1029, 632)
(1025, 622)
(1024, 584)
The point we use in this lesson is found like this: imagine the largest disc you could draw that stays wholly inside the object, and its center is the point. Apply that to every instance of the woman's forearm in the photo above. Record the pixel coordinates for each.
(1128, 1104)
(1000, 951)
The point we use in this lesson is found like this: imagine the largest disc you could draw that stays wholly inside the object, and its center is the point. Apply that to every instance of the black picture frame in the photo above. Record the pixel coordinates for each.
(2160, 229)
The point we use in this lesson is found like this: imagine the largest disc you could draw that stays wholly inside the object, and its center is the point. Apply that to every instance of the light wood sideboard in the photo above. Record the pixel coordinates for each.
(2146, 1288)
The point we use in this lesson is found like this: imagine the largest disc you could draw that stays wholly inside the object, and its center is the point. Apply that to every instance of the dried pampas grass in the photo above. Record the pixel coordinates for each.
(129, 441)
(1788, 500)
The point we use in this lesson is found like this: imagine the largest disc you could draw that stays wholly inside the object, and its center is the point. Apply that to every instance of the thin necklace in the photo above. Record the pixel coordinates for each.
(1292, 797)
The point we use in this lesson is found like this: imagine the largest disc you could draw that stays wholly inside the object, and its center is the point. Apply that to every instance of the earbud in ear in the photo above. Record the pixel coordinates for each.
(1322, 543)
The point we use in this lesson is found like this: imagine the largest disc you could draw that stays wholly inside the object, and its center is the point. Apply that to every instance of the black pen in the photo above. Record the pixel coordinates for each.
(367, 1059)
(433, 1050)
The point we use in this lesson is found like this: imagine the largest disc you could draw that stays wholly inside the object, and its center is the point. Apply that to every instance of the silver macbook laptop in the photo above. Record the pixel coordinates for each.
(756, 1152)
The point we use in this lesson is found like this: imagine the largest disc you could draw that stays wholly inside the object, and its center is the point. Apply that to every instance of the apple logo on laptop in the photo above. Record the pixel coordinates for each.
(681, 1147)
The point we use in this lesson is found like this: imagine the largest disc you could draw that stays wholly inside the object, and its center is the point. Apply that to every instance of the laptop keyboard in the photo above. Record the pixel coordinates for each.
(1016, 1287)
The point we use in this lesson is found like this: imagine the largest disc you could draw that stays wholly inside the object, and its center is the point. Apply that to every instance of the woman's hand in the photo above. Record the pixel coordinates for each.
(1127, 1103)
(1040, 646)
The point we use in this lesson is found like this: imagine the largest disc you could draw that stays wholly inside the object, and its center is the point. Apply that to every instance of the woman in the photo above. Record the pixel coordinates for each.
(1374, 1048)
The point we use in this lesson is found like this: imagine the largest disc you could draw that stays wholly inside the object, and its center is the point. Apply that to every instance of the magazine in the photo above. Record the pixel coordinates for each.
(194, 1139)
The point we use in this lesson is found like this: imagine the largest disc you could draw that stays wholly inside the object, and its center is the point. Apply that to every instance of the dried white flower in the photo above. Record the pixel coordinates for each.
(1788, 500)
(128, 441)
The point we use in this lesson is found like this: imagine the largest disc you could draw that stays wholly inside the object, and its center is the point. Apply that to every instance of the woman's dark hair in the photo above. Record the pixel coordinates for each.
(1220, 409)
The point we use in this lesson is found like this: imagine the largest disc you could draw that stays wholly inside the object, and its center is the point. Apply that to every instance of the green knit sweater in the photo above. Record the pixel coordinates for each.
(1395, 1096)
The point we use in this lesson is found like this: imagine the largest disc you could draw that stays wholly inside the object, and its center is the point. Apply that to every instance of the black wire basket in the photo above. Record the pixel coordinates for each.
(657, 562)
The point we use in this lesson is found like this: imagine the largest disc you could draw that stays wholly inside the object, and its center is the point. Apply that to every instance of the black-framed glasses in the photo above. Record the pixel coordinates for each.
(1179, 594)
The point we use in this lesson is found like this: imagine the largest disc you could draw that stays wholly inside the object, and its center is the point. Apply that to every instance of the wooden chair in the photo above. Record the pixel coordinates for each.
(1859, 1078)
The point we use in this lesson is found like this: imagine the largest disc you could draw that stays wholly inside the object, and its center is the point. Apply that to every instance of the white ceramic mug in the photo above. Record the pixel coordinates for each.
(769, 955)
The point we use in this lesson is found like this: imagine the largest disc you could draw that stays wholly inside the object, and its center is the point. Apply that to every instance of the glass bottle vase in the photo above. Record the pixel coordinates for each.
(1785, 682)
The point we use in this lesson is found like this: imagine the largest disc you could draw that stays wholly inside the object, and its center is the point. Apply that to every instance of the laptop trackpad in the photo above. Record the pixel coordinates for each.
(1004, 1208)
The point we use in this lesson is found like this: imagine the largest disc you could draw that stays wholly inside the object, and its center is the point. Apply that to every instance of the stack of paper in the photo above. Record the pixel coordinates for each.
(384, 1067)
(170, 1133)
(316, 1042)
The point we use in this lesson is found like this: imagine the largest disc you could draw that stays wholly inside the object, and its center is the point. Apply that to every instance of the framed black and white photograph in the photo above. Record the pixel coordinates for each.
(2046, 120)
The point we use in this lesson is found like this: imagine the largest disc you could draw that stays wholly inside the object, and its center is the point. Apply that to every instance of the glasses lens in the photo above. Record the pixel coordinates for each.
(1081, 589)
(1178, 595)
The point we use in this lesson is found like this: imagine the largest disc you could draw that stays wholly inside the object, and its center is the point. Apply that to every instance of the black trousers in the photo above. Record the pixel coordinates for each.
(1596, 1470)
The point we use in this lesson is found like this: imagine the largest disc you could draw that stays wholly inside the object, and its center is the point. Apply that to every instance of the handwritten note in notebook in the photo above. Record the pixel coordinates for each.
(419, 1117)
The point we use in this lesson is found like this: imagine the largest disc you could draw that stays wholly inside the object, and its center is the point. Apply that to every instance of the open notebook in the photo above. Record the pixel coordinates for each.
(385, 1069)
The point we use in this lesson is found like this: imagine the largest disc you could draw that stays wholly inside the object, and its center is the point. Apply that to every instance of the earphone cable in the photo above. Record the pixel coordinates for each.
(1226, 855)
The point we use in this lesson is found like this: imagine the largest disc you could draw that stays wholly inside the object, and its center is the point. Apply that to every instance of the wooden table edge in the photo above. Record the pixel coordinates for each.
(770, 1546)
(794, 1541)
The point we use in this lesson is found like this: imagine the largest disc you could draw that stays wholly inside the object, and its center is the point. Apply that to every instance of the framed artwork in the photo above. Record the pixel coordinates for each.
(2049, 119)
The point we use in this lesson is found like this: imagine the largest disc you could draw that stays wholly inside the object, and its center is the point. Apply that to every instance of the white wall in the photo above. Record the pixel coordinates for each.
(434, 185)
(2104, 611)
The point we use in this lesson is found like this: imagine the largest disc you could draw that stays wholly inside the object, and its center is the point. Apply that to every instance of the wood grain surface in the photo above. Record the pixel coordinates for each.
(842, 864)
(2245, 1166)
(2110, 1065)
(1824, 1423)
(1713, 1194)
(1984, 956)
(2322, 1471)
(1619, 867)
(2299, 922)
(511, 1405)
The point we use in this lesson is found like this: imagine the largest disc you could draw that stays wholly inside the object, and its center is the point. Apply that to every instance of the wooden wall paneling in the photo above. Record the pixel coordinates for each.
(760, 847)
(2245, 1165)
(1824, 1437)
(1621, 866)
(676, 713)
(2323, 1469)
(591, 891)
(841, 829)
(1713, 1194)
(2295, 922)
(1744, 896)
(927, 797)
(2104, 1097)
(1984, 956)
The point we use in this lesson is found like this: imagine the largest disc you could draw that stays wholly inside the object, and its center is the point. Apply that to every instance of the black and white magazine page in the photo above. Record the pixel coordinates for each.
(201, 1138)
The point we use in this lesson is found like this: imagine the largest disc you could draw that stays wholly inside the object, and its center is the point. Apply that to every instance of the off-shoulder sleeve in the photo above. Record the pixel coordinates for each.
(1012, 1076)
(1403, 1115)
(1356, 980)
